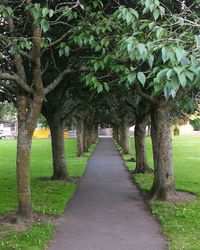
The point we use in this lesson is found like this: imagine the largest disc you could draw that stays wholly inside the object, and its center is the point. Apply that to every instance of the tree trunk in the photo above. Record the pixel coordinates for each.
(125, 138)
(89, 135)
(79, 131)
(23, 171)
(56, 125)
(96, 132)
(93, 134)
(163, 185)
(114, 133)
(140, 147)
(118, 135)
(27, 119)
(85, 138)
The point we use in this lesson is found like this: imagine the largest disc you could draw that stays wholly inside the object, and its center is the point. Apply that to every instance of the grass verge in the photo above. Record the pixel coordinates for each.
(48, 197)
(180, 220)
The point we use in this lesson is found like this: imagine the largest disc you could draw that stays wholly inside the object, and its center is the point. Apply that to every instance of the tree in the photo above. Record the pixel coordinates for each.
(151, 53)
(24, 39)
(142, 118)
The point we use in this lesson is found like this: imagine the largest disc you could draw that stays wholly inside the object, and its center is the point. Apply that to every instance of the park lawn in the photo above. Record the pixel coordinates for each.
(181, 220)
(48, 197)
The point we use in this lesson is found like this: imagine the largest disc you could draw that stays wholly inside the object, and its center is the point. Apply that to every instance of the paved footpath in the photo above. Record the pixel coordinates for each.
(107, 212)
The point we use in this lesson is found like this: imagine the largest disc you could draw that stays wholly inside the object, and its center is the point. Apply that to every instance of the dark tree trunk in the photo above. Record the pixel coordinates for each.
(163, 185)
(118, 135)
(96, 132)
(93, 133)
(114, 134)
(79, 131)
(56, 125)
(85, 138)
(125, 138)
(89, 135)
(140, 145)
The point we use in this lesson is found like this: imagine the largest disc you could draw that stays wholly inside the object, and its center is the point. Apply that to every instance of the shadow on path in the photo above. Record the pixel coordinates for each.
(107, 212)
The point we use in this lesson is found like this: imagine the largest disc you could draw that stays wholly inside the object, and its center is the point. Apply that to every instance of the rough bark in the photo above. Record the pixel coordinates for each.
(89, 135)
(163, 185)
(79, 131)
(96, 132)
(140, 145)
(85, 138)
(27, 119)
(118, 135)
(23, 171)
(93, 134)
(56, 125)
(125, 138)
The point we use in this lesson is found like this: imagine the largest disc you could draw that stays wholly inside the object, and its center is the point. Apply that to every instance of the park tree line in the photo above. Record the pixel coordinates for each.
(117, 63)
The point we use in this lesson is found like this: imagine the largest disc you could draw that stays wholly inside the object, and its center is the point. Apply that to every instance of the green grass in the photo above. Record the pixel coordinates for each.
(48, 197)
(180, 220)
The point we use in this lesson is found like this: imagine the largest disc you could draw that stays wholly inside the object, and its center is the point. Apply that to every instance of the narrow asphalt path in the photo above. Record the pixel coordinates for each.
(107, 212)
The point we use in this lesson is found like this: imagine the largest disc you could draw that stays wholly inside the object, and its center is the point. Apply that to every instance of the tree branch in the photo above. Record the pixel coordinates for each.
(17, 79)
(7, 41)
(144, 95)
(59, 79)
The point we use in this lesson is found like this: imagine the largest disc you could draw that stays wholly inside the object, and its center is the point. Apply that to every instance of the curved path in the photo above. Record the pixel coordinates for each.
(107, 212)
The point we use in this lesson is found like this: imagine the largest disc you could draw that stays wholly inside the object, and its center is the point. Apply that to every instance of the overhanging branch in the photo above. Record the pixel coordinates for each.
(17, 79)
(59, 79)
(144, 95)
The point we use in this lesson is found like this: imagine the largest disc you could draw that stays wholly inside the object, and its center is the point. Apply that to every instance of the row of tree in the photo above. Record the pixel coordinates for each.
(98, 62)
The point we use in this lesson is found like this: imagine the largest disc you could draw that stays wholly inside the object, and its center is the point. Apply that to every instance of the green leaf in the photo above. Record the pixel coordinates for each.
(141, 77)
(45, 11)
(96, 66)
(99, 88)
(9, 11)
(162, 75)
(44, 25)
(160, 32)
(51, 12)
(131, 77)
(170, 73)
(82, 6)
(162, 11)
(152, 7)
(106, 87)
(61, 52)
(151, 25)
(165, 54)
(37, 6)
(178, 70)
(182, 79)
(141, 48)
(66, 50)
(167, 91)
(157, 87)
(129, 18)
(135, 13)
(190, 75)
(197, 38)
(98, 48)
(179, 53)
(150, 60)
(175, 83)
(156, 14)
